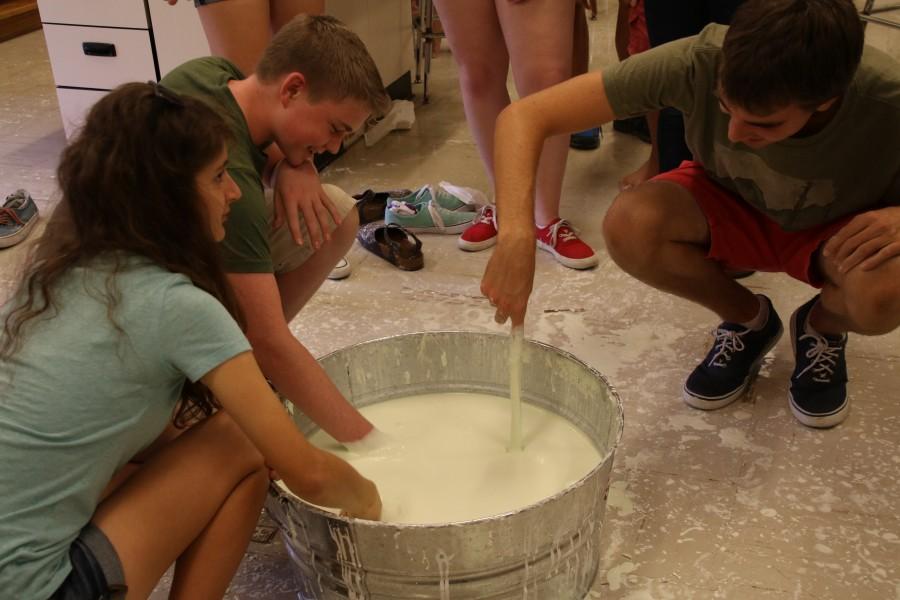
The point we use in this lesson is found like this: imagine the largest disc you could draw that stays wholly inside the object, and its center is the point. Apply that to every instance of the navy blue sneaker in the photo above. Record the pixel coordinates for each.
(732, 363)
(18, 216)
(818, 395)
(588, 139)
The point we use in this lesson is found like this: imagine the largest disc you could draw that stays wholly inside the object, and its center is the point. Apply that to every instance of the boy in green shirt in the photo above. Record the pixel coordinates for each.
(795, 130)
(314, 84)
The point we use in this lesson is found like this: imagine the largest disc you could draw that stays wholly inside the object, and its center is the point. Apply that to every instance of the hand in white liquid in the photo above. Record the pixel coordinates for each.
(370, 508)
(376, 443)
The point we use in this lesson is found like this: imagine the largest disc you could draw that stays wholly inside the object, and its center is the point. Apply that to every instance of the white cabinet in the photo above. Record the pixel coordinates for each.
(178, 34)
(98, 57)
(96, 13)
(95, 45)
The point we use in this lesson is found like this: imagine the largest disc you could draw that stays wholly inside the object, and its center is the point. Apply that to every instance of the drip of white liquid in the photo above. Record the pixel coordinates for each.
(516, 338)
(444, 458)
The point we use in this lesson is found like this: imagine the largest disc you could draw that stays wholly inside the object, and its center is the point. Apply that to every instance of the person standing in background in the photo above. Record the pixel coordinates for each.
(240, 30)
(534, 38)
(668, 21)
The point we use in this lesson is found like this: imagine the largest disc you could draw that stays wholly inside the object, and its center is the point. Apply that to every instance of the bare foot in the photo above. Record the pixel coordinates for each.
(646, 171)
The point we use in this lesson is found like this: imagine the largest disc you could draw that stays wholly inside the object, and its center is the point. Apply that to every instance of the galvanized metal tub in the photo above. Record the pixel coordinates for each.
(548, 550)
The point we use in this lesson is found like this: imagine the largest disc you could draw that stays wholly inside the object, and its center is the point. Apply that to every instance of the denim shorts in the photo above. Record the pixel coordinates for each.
(96, 570)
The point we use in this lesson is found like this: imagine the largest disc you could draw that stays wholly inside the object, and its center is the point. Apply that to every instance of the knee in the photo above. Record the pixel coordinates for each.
(346, 207)
(539, 76)
(875, 309)
(632, 228)
(482, 79)
(342, 201)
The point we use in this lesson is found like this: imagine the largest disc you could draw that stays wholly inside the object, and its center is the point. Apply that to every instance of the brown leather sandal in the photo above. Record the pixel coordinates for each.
(371, 205)
(393, 244)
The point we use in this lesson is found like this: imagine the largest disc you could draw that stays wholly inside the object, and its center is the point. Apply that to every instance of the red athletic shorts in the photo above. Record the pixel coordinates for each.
(742, 238)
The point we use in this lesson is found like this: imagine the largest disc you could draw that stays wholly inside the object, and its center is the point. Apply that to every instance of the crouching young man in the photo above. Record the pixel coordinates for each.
(795, 130)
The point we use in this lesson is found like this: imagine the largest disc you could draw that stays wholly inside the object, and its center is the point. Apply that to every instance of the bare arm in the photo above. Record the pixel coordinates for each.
(288, 364)
(298, 191)
(573, 105)
(311, 473)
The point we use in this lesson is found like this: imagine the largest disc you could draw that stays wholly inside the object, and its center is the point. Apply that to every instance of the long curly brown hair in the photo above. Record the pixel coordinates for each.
(128, 185)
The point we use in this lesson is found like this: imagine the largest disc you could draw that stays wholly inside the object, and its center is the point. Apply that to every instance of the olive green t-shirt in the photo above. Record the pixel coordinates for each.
(851, 165)
(245, 248)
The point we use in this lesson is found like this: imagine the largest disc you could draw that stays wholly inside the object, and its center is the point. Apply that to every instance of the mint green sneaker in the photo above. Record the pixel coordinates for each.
(448, 196)
(428, 217)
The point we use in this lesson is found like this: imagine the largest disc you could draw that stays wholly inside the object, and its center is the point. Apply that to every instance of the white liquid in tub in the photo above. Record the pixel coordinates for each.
(444, 457)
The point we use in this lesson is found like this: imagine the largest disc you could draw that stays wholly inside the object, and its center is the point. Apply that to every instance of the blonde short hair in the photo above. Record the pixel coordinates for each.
(332, 58)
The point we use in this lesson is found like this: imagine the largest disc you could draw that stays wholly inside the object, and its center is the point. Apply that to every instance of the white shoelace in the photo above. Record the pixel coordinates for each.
(567, 235)
(486, 215)
(727, 343)
(824, 358)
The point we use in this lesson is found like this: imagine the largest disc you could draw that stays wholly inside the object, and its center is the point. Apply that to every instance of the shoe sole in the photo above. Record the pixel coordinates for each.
(20, 235)
(816, 421)
(703, 403)
(454, 229)
(476, 246)
(572, 263)
(819, 421)
(339, 275)
(584, 145)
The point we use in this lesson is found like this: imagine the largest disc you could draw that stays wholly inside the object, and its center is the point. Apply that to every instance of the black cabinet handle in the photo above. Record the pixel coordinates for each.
(98, 49)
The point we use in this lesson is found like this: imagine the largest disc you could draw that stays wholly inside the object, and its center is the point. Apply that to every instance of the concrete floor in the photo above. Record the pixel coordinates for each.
(742, 503)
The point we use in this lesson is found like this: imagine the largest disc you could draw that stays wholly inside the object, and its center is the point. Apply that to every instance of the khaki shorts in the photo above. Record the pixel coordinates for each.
(286, 254)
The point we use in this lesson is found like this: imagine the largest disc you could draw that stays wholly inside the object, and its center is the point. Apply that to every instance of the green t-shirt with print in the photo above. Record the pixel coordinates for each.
(245, 248)
(851, 165)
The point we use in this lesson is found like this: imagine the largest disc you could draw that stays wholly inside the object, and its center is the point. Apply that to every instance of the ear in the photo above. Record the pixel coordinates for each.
(826, 105)
(292, 87)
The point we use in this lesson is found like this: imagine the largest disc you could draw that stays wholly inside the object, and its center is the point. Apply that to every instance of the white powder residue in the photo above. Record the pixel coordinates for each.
(690, 420)
(618, 499)
(735, 438)
(616, 575)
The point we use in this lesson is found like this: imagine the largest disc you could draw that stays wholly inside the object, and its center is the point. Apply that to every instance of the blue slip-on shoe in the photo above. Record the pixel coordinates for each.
(732, 363)
(18, 216)
(818, 395)
(589, 139)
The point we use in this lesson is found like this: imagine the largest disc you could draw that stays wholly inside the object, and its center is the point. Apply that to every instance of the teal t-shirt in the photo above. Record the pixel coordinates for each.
(245, 248)
(851, 165)
(80, 398)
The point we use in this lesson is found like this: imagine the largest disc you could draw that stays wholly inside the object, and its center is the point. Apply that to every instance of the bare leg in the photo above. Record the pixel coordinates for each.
(196, 502)
(474, 35)
(238, 30)
(650, 168)
(866, 302)
(298, 286)
(657, 233)
(538, 35)
(282, 11)
(581, 43)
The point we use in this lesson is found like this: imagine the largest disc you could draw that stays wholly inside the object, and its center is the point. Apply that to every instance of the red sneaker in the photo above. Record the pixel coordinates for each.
(482, 233)
(559, 239)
